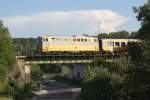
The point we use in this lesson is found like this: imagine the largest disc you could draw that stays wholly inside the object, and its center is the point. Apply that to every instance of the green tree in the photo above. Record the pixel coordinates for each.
(7, 53)
(138, 81)
(23, 45)
(103, 35)
(106, 80)
(36, 76)
(119, 34)
(144, 17)
(97, 84)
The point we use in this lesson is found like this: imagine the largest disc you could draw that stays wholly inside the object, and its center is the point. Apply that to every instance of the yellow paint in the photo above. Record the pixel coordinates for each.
(73, 44)
(74, 48)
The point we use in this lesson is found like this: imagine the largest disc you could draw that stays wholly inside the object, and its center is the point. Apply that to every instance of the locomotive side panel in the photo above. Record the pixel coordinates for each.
(70, 44)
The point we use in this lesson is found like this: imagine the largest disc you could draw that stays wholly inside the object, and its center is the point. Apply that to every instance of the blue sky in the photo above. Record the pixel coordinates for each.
(20, 15)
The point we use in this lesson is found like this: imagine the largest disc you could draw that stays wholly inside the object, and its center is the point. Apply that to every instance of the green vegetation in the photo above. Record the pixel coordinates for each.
(118, 35)
(7, 54)
(25, 45)
(9, 74)
(106, 80)
(36, 77)
(7, 57)
(128, 78)
(138, 80)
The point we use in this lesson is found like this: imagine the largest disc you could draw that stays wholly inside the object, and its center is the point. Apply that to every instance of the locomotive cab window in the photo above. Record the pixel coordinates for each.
(53, 39)
(117, 44)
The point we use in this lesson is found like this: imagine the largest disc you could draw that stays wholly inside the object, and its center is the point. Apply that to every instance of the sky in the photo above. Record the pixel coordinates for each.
(32, 18)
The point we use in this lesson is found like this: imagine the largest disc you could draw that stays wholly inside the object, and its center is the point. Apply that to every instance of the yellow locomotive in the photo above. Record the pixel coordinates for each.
(69, 44)
(82, 44)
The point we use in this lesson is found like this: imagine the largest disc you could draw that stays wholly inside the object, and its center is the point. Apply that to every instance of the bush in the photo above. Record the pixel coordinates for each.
(97, 89)
(98, 86)
(106, 81)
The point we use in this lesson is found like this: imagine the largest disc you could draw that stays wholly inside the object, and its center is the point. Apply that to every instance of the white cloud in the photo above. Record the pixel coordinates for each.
(65, 22)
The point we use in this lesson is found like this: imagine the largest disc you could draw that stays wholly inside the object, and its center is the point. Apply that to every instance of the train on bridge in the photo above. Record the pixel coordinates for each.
(82, 45)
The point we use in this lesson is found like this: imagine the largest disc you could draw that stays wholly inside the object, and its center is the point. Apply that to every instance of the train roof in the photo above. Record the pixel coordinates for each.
(68, 36)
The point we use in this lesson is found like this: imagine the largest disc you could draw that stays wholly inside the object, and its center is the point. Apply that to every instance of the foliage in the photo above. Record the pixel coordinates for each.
(138, 81)
(144, 16)
(18, 93)
(36, 76)
(120, 34)
(98, 86)
(106, 81)
(25, 45)
(7, 55)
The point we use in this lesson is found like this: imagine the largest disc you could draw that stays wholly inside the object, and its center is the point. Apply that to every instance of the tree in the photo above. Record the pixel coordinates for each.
(23, 45)
(106, 80)
(144, 17)
(7, 53)
(119, 34)
(97, 84)
(138, 81)
(36, 76)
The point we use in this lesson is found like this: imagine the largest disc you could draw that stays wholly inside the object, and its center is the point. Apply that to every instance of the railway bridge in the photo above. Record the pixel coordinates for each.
(76, 62)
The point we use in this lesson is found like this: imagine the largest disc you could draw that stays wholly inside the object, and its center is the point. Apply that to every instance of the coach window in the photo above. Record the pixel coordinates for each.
(85, 40)
(82, 40)
(46, 39)
(123, 44)
(78, 39)
(53, 39)
(117, 44)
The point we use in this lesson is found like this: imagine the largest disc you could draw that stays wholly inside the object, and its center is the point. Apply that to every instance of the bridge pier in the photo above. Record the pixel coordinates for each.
(76, 71)
(24, 70)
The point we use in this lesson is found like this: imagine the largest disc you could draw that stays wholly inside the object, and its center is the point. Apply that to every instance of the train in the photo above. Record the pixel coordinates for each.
(82, 44)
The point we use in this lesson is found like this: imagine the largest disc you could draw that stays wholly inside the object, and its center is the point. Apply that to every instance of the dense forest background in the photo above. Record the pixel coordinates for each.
(23, 45)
